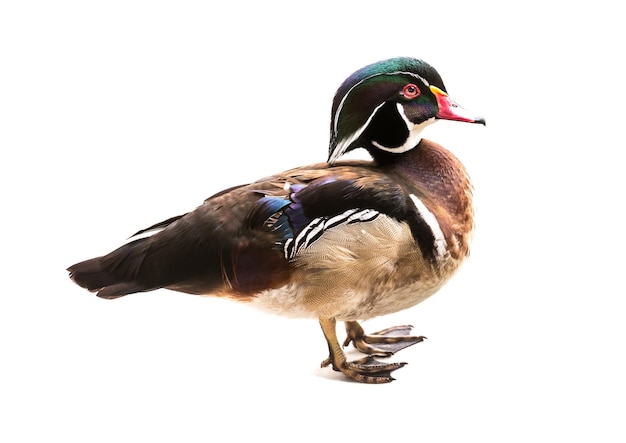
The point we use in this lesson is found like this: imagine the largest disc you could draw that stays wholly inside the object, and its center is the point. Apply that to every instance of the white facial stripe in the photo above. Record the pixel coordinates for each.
(343, 100)
(343, 144)
(431, 221)
(414, 130)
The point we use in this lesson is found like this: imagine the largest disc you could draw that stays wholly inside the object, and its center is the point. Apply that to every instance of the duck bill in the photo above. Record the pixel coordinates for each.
(449, 110)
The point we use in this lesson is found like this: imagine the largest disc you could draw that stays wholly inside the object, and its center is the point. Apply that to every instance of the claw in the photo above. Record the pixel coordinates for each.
(387, 342)
(369, 366)
(365, 370)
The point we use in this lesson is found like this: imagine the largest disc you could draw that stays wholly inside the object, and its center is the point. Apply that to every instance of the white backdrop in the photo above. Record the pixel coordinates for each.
(116, 115)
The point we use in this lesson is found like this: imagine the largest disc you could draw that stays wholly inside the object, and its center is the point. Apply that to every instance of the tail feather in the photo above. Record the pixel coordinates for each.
(113, 275)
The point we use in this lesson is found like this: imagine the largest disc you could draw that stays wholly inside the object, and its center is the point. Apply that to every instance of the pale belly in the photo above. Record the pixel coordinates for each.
(358, 274)
(292, 301)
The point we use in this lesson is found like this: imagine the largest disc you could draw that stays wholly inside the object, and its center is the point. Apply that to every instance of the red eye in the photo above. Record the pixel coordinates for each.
(410, 91)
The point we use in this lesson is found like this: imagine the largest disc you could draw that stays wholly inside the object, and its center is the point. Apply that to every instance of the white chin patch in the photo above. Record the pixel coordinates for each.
(415, 134)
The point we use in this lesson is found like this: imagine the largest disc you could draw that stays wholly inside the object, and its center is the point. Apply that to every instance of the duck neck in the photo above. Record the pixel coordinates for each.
(437, 174)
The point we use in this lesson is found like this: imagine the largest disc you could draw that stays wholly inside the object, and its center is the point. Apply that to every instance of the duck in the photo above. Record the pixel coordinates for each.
(338, 241)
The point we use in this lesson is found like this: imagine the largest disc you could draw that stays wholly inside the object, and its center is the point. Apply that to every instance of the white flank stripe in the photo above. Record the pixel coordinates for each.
(338, 219)
(312, 234)
(288, 248)
(431, 221)
(302, 237)
(312, 231)
(363, 215)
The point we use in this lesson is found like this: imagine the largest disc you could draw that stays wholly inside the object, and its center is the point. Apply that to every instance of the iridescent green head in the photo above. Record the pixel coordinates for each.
(384, 106)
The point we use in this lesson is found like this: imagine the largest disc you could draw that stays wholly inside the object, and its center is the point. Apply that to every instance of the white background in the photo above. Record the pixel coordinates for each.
(116, 115)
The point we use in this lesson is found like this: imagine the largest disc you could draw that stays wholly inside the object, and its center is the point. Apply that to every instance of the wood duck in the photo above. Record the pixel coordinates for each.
(341, 240)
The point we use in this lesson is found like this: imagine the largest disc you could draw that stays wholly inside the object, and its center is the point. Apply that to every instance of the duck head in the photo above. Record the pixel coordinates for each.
(384, 107)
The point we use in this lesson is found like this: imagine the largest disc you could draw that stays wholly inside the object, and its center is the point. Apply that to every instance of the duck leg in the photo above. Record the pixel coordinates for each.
(382, 343)
(365, 370)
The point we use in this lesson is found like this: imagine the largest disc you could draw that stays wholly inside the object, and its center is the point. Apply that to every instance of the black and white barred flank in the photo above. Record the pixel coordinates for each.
(314, 230)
